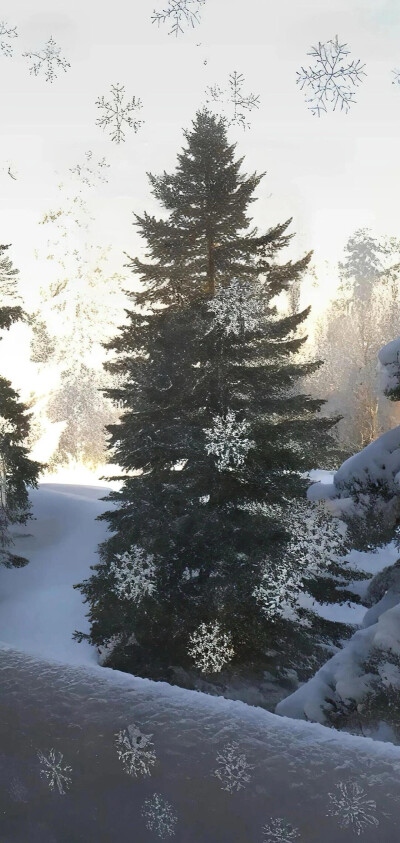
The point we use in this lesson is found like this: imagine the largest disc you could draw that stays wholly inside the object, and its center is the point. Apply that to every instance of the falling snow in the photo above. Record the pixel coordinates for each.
(330, 82)
(7, 32)
(135, 751)
(237, 307)
(353, 808)
(181, 13)
(116, 113)
(210, 648)
(53, 769)
(134, 574)
(228, 441)
(279, 831)
(160, 816)
(233, 771)
(47, 59)
(233, 98)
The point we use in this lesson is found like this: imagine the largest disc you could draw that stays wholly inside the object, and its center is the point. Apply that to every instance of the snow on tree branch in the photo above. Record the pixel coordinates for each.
(48, 59)
(7, 32)
(237, 308)
(233, 97)
(134, 574)
(228, 441)
(181, 13)
(135, 751)
(330, 81)
(116, 113)
(210, 648)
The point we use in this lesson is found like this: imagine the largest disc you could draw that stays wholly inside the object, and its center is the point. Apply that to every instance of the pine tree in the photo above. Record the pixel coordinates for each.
(215, 439)
(17, 471)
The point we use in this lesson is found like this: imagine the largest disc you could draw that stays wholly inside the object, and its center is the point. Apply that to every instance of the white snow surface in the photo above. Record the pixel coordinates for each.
(389, 359)
(39, 609)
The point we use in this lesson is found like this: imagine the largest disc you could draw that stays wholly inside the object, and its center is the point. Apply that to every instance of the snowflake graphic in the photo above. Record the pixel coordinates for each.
(134, 574)
(181, 13)
(117, 112)
(160, 816)
(135, 750)
(279, 831)
(350, 803)
(330, 81)
(237, 307)
(55, 771)
(276, 588)
(90, 174)
(47, 59)
(228, 441)
(233, 770)
(210, 648)
(234, 99)
(396, 74)
(7, 32)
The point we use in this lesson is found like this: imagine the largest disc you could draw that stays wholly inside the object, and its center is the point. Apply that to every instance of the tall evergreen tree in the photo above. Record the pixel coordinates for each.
(206, 557)
(17, 471)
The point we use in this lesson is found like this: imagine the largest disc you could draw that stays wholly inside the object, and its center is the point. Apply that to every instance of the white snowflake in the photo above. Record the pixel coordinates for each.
(279, 831)
(180, 12)
(89, 172)
(7, 32)
(237, 308)
(135, 751)
(351, 804)
(134, 573)
(47, 58)
(228, 441)
(55, 771)
(160, 816)
(330, 81)
(117, 112)
(210, 648)
(234, 99)
(276, 590)
(233, 770)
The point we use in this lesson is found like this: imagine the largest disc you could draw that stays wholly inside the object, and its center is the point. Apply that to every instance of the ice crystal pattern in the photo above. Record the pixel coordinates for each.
(159, 816)
(276, 588)
(237, 308)
(90, 172)
(331, 80)
(210, 648)
(135, 751)
(7, 32)
(279, 831)
(180, 13)
(228, 441)
(116, 113)
(55, 771)
(47, 60)
(233, 771)
(134, 573)
(238, 103)
(353, 808)
(396, 74)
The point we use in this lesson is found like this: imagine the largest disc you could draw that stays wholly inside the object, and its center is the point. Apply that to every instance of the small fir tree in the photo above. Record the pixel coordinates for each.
(214, 438)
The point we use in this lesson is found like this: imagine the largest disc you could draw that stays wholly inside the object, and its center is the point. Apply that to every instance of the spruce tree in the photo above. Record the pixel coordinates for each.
(205, 562)
(17, 471)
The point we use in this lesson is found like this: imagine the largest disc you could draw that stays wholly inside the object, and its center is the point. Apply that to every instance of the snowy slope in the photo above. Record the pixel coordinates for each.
(39, 609)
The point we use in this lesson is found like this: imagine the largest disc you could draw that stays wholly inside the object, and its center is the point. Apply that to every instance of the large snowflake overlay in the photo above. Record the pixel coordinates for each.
(276, 589)
(48, 58)
(135, 751)
(134, 573)
(7, 32)
(210, 648)
(53, 769)
(233, 771)
(331, 81)
(116, 113)
(234, 98)
(181, 12)
(396, 74)
(279, 831)
(228, 441)
(90, 172)
(160, 816)
(353, 808)
(237, 308)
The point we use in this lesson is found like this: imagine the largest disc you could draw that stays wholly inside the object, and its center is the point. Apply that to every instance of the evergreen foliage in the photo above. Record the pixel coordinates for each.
(215, 437)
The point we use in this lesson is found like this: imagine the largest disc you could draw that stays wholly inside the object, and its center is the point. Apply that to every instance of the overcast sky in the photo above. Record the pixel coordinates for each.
(331, 174)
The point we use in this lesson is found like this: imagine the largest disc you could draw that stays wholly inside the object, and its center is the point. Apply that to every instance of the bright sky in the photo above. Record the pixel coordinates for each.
(331, 174)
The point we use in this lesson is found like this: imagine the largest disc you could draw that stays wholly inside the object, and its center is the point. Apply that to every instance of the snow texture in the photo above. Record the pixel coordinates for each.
(7, 32)
(181, 13)
(238, 103)
(279, 831)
